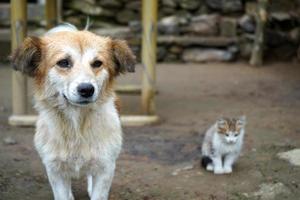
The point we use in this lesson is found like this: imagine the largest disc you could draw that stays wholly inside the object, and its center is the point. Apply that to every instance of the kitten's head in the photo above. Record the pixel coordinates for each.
(231, 129)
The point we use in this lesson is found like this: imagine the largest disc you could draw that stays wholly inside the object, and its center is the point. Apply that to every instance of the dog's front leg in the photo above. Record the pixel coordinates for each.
(101, 182)
(61, 185)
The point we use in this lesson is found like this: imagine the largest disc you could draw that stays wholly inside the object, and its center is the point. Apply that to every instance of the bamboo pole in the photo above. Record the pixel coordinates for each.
(51, 13)
(126, 120)
(19, 31)
(149, 15)
(261, 18)
(128, 89)
(59, 8)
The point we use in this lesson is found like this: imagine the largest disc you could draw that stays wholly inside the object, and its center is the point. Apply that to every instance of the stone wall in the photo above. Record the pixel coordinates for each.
(194, 30)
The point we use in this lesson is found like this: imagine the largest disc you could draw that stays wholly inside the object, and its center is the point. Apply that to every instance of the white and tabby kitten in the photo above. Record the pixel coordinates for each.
(222, 144)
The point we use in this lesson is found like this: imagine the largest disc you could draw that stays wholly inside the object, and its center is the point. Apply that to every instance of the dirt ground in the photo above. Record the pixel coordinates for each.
(161, 162)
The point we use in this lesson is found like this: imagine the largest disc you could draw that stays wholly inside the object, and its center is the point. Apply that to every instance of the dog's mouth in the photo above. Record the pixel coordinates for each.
(78, 103)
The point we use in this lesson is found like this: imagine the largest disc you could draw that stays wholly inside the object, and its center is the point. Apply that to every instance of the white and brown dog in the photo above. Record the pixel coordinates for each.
(78, 129)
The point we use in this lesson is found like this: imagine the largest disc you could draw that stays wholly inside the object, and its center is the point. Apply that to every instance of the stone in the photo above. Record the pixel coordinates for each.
(275, 38)
(206, 55)
(136, 51)
(170, 57)
(176, 49)
(268, 191)
(284, 5)
(190, 4)
(225, 5)
(125, 16)
(89, 1)
(134, 5)
(250, 8)
(169, 3)
(247, 24)
(284, 52)
(135, 26)
(196, 41)
(184, 168)
(114, 32)
(202, 10)
(280, 16)
(293, 156)
(77, 21)
(228, 27)
(234, 49)
(184, 14)
(166, 11)
(170, 24)
(103, 24)
(90, 9)
(246, 46)
(174, 20)
(161, 53)
(232, 6)
(294, 35)
(202, 25)
(110, 3)
(9, 140)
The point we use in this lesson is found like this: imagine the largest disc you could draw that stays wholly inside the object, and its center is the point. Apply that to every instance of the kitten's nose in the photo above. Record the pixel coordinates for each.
(231, 141)
(85, 90)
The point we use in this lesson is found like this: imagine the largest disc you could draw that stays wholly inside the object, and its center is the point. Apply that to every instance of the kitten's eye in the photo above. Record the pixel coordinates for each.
(236, 135)
(96, 64)
(64, 63)
(227, 134)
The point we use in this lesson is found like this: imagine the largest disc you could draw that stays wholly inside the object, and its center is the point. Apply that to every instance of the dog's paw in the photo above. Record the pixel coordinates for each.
(227, 170)
(218, 171)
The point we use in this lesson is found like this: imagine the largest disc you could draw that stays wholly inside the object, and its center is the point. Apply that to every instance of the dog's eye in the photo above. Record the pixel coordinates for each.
(64, 63)
(96, 64)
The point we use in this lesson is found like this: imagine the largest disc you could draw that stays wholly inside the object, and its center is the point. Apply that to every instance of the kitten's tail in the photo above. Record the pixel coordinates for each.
(205, 161)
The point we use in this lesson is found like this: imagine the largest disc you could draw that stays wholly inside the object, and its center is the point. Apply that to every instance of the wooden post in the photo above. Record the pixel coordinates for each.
(19, 31)
(59, 8)
(149, 15)
(51, 13)
(261, 18)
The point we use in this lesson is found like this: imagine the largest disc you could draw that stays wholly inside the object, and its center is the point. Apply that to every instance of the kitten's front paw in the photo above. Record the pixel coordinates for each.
(227, 170)
(218, 171)
(209, 167)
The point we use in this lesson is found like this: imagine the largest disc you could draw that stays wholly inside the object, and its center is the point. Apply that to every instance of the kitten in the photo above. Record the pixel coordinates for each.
(222, 144)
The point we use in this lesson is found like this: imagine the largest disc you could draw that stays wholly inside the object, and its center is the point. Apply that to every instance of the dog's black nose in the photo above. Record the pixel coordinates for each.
(85, 90)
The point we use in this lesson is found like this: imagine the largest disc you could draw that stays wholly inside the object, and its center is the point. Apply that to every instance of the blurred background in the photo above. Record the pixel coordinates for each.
(207, 67)
(188, 30)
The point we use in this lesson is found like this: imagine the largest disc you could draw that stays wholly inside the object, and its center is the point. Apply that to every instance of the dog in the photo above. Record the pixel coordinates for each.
(78, 131)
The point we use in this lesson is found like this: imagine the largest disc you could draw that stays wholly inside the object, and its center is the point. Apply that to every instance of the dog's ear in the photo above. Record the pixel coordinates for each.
(123, 57)
(27, 57)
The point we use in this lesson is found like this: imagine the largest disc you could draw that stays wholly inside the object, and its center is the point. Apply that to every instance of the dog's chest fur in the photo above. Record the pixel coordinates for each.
(79, 140)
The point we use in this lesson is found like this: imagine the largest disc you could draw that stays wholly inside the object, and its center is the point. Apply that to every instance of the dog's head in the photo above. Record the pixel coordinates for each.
(77, 66)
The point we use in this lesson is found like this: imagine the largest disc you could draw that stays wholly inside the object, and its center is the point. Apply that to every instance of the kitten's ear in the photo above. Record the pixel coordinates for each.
(241, 121)
(123, 57)
(221, 123)
(27, 57)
